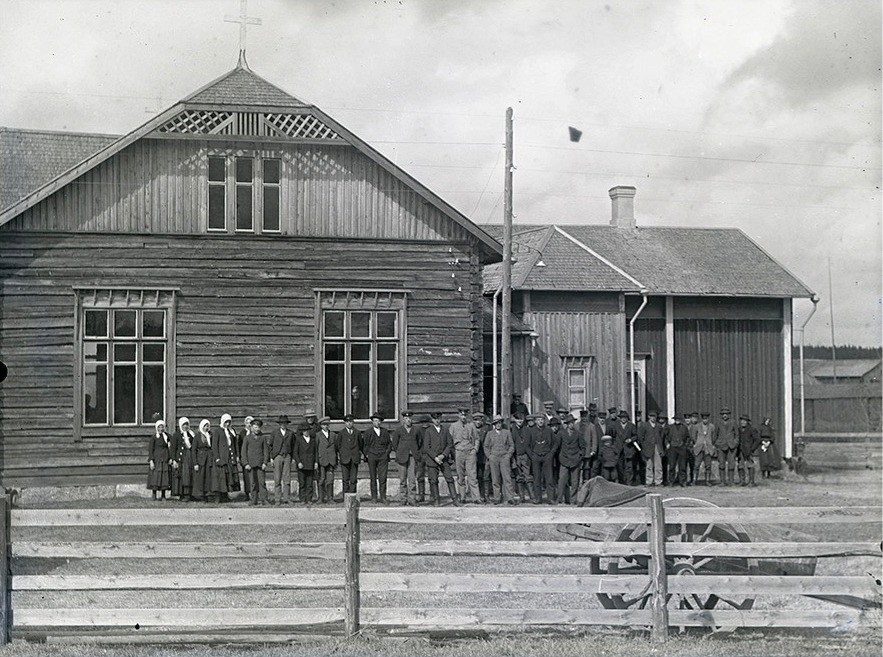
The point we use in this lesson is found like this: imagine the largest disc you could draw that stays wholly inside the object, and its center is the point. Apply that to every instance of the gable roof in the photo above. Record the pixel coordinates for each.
(242, 87)
(566, 265)
(31, 158)
(849, 369)
(669, 261)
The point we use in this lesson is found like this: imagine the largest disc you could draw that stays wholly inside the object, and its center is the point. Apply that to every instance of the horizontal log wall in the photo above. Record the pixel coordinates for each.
(160, 186)
(245, 330)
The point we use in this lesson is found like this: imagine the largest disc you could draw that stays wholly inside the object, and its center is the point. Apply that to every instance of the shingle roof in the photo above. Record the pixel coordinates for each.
(31, 158)
(241, 86)
(678, 261)
(567, 265)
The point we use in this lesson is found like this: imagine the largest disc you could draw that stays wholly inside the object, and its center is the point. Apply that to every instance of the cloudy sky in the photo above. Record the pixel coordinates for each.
(761, 115)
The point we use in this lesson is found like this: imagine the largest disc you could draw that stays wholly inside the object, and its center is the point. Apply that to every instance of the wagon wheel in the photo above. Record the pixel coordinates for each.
(680, 566)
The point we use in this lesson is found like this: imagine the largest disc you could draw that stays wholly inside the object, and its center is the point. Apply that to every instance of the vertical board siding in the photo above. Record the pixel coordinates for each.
(650, 339)
(735, 363)
(158, 186)
(245, 330)
(601, 335)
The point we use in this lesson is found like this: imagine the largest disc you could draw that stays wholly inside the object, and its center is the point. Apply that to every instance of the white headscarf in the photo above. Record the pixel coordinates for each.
(203, 426)
(248, 419)
(163, 434)
(187, 434)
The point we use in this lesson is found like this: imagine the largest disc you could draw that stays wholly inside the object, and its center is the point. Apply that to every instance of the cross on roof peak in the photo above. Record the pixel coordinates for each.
(244, 20)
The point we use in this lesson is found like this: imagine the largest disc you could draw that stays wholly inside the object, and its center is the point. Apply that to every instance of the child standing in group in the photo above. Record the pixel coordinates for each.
(255, 457)
(159, 460)
(608, 457)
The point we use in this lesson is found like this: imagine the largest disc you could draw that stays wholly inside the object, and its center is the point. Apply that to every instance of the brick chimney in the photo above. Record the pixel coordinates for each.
(623, 198)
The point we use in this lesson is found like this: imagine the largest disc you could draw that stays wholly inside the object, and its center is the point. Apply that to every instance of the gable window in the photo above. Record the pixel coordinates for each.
(124, 344)
(578, 381)
(362, 344)
(244, 193)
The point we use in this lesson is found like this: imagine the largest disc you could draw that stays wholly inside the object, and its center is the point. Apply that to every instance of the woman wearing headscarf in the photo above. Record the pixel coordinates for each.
(240, 439)
(226, 461)
(203, 463)
(159, 459)
(182, 460)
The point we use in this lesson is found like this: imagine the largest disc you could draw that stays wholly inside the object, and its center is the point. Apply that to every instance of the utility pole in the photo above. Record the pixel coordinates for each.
(831, 301)
(506, 341)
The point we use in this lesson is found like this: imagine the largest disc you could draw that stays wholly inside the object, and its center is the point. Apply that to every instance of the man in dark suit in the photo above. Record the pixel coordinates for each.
(377, 444)
(280, 455)
(305, 454)
(349, 450)
(625, 441)
(406, 445)
(438, 449)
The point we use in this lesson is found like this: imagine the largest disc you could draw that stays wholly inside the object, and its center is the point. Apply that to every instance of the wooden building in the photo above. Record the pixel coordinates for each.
(241, 253)
(715, 329)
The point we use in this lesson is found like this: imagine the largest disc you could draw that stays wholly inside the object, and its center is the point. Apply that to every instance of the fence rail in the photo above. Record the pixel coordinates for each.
(637, 554)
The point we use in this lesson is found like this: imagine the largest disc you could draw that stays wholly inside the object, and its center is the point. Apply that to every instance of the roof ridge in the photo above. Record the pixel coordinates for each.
(74, 133)
(597, 255)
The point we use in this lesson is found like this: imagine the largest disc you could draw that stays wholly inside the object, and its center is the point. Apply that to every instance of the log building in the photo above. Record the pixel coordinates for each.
(241, 252)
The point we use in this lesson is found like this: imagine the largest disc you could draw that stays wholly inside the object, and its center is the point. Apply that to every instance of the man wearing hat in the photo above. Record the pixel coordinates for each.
(570, 458)
(749, 444)
(255, 458)
(625, 440)
(437, 448)
(664, 423)
(406, 445)
(281, 441)
(311, 418)
(498, 449)
(327, 445)
(702, 435)
(652, 448)
(517, 406)
(678, 442)
(542, 446)
(377, 444)
(482, 471)
(523, 475)
(305, 454)
(548, 410)
(726, 442)
(349, 451)
(466, 443)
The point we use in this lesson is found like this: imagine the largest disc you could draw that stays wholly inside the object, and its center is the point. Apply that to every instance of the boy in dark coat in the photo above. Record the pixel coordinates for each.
(608, 457)
(255, 457)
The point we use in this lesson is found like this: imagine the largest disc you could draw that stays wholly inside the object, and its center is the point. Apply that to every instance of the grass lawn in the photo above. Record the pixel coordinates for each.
(837, 488)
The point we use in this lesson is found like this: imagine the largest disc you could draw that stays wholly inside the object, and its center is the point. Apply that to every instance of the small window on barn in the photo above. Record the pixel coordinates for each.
(362, 354)
(217, 193)
(124, 345)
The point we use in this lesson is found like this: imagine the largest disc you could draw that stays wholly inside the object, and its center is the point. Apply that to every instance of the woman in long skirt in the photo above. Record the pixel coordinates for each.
(203, 463)
(226, 459)
(182, 463)
(159, 460)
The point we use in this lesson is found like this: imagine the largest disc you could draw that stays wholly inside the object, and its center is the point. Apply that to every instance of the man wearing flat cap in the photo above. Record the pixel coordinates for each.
(570, 457)
(625, 441)
(726, 442)
(749, 444)
(498, 449)
(523, 475)
(281, 441)
(548, 410)
(482, 471)
(517, 406)
(652, 448)
(377, 444)
(542, 447)
(305, 455)
(406, 445)
(466, 443)
(702, 434)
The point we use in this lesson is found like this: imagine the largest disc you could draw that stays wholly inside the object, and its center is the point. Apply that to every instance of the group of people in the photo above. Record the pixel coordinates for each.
(537, 458)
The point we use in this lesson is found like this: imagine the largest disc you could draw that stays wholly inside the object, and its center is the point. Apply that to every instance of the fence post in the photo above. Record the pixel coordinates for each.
(5, 533)
(658, 578)
(351, 588)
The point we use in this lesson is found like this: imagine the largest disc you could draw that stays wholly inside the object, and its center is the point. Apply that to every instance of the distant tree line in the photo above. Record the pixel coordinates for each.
(844, 352)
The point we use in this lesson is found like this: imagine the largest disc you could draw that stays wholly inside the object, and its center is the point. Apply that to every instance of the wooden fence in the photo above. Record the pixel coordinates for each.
(638, 575)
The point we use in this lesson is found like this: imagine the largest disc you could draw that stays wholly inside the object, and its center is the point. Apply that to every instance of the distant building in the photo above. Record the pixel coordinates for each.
(715, 330)
(865, 370)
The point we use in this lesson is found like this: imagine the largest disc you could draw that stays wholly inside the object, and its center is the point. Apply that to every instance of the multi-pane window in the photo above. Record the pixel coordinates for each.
(361, 362)
(124, 360)
(576, 388)
(217, 193)
(247, 190)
